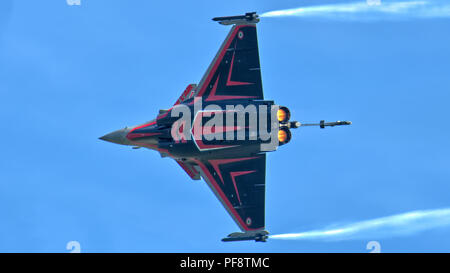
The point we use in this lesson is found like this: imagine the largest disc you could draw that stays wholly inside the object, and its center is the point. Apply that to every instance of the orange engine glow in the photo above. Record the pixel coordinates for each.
(281, 115)
(282, 136)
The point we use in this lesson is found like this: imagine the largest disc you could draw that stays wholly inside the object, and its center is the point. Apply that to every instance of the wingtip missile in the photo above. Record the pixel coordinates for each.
(322, 124)
(249, 17)
(260, 236)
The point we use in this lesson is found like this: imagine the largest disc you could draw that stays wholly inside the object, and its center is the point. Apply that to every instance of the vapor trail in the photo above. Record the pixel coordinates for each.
(396, 225)
(365, 11)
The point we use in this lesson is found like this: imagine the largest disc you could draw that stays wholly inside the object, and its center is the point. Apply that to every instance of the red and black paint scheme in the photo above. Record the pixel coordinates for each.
(234, 168)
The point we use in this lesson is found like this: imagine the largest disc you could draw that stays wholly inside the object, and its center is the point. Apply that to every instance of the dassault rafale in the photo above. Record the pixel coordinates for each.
(221, 129)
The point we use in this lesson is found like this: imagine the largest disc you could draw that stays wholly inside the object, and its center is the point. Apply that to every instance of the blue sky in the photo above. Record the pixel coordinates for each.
(69, 74)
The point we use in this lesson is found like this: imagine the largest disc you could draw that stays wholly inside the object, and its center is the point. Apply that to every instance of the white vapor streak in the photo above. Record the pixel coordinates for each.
(395, 225)
(364, 11)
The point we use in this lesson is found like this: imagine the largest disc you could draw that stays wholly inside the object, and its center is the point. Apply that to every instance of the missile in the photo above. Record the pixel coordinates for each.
(260, 236)
(249, 17)
(322, 124)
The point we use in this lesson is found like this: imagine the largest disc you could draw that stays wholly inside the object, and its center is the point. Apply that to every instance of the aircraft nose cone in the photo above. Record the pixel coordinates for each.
(118, 137)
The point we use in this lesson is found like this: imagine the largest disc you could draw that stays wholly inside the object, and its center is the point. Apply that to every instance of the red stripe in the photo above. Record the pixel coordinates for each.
(184, 95)
(139, 127)
(229, 81)
(223, 197)
(196, 124)
(136, 135)
(219, 60)
(164, 115)
(212, 95)
(216, 162)
(233, 175)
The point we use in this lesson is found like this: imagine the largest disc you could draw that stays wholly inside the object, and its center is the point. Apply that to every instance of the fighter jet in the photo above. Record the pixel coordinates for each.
(222, 128)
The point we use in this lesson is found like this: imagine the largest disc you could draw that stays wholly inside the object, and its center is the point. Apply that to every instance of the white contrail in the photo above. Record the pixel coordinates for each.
(396, 225)
(365, 11)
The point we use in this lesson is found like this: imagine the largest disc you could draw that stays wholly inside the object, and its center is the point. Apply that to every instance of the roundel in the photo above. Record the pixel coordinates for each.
(248, 221)
(240, 34)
